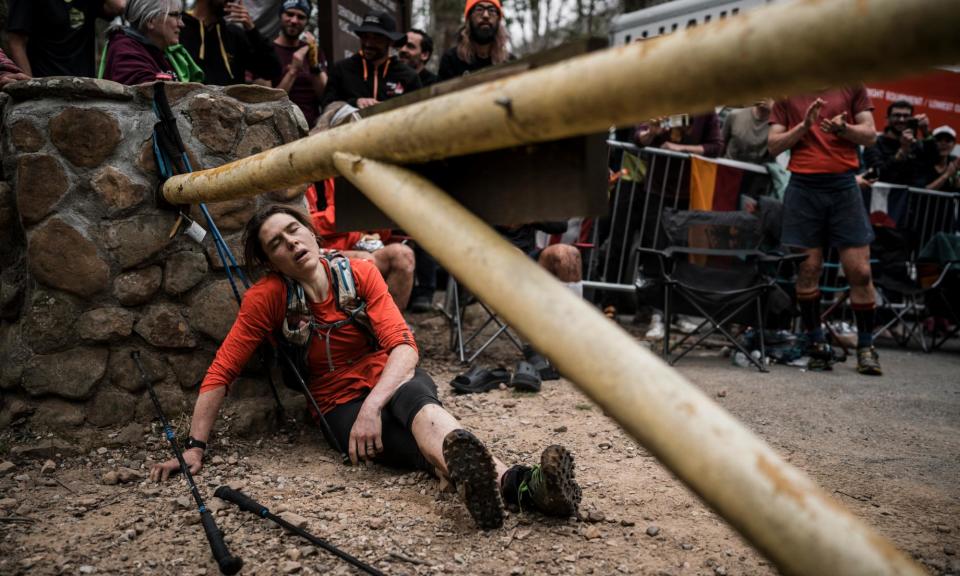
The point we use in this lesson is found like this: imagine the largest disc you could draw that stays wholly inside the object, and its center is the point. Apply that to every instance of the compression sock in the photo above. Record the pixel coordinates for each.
(809, 303)
(865, 314)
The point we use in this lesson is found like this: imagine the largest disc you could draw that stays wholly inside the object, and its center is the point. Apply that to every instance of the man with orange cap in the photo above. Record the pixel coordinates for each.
(482, 40)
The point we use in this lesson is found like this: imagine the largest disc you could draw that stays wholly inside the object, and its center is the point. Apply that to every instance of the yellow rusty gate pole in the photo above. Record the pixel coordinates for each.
(774, 505)
(781, 49)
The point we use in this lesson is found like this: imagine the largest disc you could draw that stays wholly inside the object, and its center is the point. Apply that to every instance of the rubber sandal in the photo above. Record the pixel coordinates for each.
(540, 364)
(526, 378)
(479, 379)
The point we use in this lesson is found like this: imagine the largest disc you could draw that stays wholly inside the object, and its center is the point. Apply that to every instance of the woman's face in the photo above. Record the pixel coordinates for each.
(290, 246)
(165, 30)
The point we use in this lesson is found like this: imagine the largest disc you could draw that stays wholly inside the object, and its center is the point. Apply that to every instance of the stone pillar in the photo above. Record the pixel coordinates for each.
(89, 270)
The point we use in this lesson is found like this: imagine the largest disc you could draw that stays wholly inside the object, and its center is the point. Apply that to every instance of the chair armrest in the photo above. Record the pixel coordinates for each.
(650, 251)
(680, 250)
(782, 258)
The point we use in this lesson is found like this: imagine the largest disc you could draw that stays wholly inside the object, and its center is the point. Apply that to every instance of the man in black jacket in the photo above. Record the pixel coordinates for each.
(901, 154)
(221, 37)
(372, 75)
(416, 52)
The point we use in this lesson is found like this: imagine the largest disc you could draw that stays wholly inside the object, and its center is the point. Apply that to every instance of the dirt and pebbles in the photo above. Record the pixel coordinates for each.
(887, 448)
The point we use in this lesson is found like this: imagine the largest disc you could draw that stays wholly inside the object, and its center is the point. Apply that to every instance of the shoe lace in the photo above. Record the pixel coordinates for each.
(529, 485)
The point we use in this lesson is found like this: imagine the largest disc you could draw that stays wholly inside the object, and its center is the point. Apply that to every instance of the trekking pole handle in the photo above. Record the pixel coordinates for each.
(242, 500)
(228, 564)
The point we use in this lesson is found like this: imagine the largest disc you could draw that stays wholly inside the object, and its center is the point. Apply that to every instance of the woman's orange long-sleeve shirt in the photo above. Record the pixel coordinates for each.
(357, 366)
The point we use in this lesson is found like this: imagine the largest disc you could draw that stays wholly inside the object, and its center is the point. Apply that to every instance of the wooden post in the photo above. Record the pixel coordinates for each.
(774, 505)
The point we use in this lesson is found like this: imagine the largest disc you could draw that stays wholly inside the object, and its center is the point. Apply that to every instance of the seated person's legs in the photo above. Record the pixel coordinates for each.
(426, 273)
(419, 433)
(563, 261)
(396, 264)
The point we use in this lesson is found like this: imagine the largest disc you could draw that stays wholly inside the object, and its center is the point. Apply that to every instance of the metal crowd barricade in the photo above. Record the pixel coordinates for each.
(922, 214)
(930, 212)
(635, 209)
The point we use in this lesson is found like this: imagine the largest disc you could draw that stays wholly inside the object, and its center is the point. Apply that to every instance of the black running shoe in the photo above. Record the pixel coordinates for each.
(474, 474)
(551, 485)
(821, 357)
(540, 363)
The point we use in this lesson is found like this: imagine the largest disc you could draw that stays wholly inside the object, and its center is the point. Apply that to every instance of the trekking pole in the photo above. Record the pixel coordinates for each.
(250, 505)
(228, 564)
(172, 158)
(325, 429)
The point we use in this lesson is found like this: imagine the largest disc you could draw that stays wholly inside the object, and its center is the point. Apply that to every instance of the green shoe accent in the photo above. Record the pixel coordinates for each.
(550, 486)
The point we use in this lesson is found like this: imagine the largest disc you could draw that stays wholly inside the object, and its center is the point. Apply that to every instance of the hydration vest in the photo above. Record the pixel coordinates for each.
(300, 325)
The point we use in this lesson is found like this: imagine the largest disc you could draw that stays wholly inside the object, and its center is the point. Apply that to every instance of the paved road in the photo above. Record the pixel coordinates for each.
(888, 447)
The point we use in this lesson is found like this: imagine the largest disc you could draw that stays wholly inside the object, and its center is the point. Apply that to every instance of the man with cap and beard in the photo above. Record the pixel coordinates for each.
(304, 77)
(372, 75)
(482, 40)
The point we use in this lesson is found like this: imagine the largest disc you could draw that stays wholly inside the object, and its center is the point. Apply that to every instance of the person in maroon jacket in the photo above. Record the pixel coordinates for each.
(135, 53)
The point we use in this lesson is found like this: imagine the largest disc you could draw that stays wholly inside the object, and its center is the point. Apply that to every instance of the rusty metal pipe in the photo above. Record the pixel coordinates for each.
(780, 49)
(774, 505)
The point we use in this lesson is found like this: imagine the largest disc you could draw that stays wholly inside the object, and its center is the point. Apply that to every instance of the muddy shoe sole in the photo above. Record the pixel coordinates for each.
(474, 474)
(559, 493)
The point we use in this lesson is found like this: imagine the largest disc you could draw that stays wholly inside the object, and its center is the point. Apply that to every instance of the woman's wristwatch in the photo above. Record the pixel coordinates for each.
(194, 443)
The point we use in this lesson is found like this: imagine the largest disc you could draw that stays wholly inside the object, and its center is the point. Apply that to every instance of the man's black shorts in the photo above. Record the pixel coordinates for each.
(821, 210)
(399, 447)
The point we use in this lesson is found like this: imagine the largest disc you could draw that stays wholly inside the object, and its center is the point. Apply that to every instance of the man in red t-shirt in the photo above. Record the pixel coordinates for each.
(823, 206)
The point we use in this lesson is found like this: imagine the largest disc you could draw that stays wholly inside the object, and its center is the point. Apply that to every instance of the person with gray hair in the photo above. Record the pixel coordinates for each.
(144, 49)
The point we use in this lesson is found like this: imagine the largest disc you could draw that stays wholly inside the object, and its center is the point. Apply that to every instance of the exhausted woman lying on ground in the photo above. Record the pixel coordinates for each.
(376, 400)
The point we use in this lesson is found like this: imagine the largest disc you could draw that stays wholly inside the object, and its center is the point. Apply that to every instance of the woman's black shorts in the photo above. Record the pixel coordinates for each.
(399, 447)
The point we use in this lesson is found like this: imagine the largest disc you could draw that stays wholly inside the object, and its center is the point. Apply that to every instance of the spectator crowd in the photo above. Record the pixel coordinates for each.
(831, 138)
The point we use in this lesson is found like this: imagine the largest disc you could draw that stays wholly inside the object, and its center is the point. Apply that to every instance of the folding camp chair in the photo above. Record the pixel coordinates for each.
(912, 281)
(713, 268)
(454, 308)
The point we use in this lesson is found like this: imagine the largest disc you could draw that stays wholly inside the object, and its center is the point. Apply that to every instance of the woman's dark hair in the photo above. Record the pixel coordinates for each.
(255, 259)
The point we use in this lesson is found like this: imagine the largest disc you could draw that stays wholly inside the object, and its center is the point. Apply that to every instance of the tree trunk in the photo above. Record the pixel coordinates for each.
(446, 16)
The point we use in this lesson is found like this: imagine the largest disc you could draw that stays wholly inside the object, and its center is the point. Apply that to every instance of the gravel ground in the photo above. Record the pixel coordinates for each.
(886, 448)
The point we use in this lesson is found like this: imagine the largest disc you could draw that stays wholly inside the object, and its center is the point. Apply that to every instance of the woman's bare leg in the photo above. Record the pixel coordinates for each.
(430, 426)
